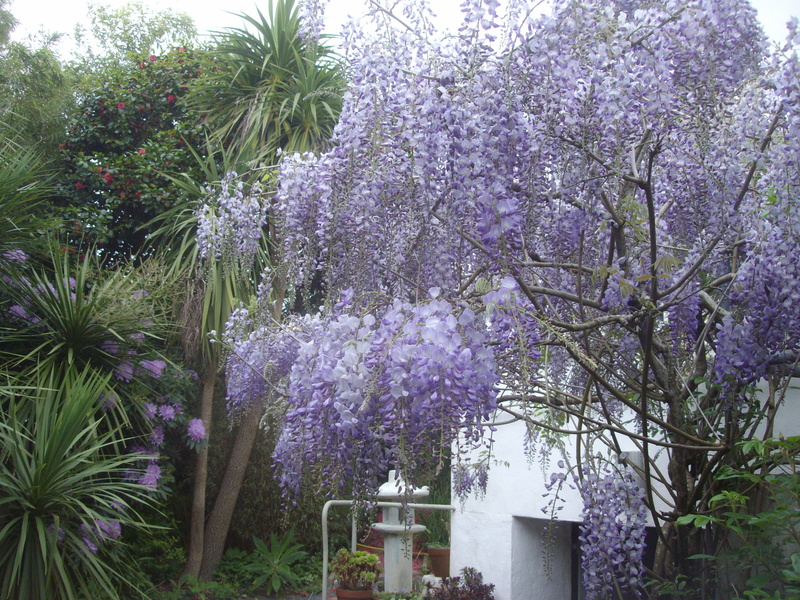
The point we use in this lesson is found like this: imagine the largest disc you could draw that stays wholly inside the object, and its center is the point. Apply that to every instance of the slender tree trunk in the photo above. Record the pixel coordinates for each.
(219, 521)
(196, 533)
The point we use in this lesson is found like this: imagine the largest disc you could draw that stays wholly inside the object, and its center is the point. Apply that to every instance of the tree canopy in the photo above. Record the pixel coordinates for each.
(586, 220)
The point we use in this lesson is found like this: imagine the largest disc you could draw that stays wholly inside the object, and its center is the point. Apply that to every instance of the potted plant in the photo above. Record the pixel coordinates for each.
(437, 545)
(355, 573)
(437, 525)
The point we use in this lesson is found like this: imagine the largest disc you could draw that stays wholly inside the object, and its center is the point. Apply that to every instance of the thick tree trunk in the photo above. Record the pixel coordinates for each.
(219, 521)
(196, 533)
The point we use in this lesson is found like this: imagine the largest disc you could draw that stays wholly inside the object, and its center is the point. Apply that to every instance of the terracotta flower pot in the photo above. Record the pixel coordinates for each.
(439, 561)
(353, 594)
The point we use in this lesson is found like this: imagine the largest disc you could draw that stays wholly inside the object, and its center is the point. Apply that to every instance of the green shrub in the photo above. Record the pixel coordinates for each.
(273, 564)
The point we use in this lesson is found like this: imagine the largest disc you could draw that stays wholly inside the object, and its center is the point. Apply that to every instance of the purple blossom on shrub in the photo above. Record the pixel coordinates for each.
(196, 430)
(110, 347)
(157, 436)
(51, 529)
(108, 529)
(18, 312)
(168, 412)
(149, 410)
(124, 371)
(109, 400)
(13, 256)
(151, 476)
(155, 368)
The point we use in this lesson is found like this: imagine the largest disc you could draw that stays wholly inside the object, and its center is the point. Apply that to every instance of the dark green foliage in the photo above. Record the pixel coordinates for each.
(469, 586)
(117, 32)
(36, 94)
(437, 522)
(159, 553)
(274, 565)
(24, 185)
(60, 312)
(132, 132)
(273, 89)
(754, 521)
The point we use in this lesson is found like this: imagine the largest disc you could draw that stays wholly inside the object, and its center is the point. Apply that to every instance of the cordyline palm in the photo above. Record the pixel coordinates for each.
(212, 293)
(23, 186)
(274, 90)
(62, 480)
(61, 313)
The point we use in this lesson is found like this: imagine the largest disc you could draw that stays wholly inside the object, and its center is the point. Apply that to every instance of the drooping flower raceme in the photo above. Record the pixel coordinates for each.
(260, 361)
(393, 388)
(230, 223)
(612, 533)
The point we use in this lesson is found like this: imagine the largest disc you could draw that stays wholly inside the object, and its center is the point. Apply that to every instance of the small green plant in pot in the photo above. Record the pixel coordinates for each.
(356, 573)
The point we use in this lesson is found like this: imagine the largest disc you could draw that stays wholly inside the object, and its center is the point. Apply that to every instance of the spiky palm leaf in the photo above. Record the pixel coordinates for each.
(24, 184)
(61, 475)
(66, 313)
(274, 89)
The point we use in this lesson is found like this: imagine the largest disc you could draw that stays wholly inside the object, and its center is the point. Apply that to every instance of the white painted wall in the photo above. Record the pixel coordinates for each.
(501, 533)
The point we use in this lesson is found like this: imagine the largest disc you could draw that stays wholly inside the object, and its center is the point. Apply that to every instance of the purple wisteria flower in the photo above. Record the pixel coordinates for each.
(230, 224)
(612, 532)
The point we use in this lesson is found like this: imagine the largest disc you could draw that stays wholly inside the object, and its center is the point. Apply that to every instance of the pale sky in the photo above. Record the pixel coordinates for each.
(209, 15)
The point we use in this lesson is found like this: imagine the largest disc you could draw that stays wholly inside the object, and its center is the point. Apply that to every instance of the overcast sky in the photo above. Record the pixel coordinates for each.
(210, 15)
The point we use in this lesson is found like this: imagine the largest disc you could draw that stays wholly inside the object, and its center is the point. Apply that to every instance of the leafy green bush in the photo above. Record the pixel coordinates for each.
(437, 522)
(755, 518)
(398, 596)
(273, 564)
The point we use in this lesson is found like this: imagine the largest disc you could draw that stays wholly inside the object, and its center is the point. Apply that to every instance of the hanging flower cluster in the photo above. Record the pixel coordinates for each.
(612, 533)
(394, 388)
(230, 224)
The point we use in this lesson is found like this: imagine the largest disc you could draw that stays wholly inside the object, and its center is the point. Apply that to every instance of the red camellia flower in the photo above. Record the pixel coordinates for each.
(142, 150)
(153, 58)
(79, 186)
(121, 105)
(109, 178)
(171, 99)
